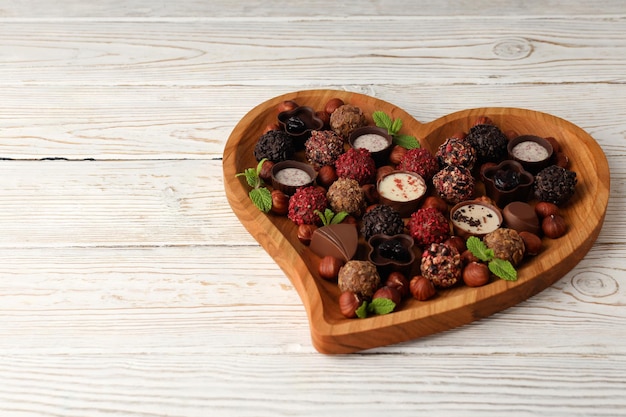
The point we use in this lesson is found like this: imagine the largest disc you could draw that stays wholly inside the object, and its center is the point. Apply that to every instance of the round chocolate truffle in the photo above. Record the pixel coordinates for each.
(323, 148)
(428, 225)
(455, 151)
(382, 219)
(441, 263)
(360, 277)
(345, 119)
(454, 184)
(346, 194)
(304, 203)
(421, 161)
(555, 184)
(357, 164)
(275, 145)
(506, 244)
(489, 142)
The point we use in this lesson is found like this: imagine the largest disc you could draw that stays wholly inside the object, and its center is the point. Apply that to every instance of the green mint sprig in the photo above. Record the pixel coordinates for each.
(383, 120)
(377, 306)
(260, 195)
(329, 217)
(499, 267)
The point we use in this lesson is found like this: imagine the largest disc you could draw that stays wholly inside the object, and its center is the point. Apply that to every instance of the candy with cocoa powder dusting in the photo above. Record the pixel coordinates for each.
(506, 244)
(346, 194)
(360, 277)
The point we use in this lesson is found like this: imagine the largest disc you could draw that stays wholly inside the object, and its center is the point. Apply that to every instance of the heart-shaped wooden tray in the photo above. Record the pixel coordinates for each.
(330, 331)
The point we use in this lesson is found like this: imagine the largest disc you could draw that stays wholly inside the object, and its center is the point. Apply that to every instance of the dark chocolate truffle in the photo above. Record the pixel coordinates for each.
(489, 142)
(382, 219)
(555, 184)
(274, 145)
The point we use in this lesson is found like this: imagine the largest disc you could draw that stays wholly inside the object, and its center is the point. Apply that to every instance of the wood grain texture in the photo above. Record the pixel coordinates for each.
(128, 286)
(330, 331)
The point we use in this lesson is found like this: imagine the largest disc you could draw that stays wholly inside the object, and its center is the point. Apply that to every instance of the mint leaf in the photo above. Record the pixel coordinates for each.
(479, 249)
(406, 141)
(382, 119)
(252, 178)
(361, 312)
(259, 166)
(396, 126)
(338, 218)
(381, 306)
(503, 269)
(262, 198)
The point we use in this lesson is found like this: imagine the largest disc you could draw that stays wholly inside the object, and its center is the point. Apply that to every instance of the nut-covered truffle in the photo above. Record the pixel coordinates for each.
(382, 219)
(360, 277)
(304, 202)
(428, 225)
(323, 148)
(274, 145)
(488, 141)
(454, 184)
(455, 151)
(441, 264)
(506, 244)
(346, 119)
(421, 161)
(357, 164)
(346, 194)
(555, 185)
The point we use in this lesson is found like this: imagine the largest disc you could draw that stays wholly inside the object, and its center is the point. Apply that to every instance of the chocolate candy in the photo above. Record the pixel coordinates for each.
(520, 216)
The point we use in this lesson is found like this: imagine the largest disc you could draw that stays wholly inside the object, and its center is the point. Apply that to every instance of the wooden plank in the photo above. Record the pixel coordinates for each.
(304, 52)
(177, 122)
(324, 9)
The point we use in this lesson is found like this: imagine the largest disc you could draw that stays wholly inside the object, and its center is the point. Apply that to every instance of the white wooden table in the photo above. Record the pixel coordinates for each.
(129, 288)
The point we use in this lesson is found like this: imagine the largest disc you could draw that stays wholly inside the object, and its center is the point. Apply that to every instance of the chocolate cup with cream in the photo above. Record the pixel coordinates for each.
(534, 153)
(299, 174)
(374, 139)
(475, 218)
(404, 196)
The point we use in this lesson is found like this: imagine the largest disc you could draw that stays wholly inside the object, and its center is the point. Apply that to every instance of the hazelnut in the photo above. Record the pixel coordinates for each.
(349, 303)
(398, 281)
(383, 170)
(561, 160)
(435, 202)
(422, 288)
(532, 242)
(266, 171)
(389, 293)
(271, 126)
(456, 242)
(332, 105)
(475, 274)
(350, 219)
(287, 105)
(483, 120)
(554, 226)
(459, 135)
(555, 145)
(329, 267)
(326, 175)
(370, 193)
(305, 233)
(468, 257)
(280, 202)
(510, 134)
(323, 116)
(397, 152)
(544, 209)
